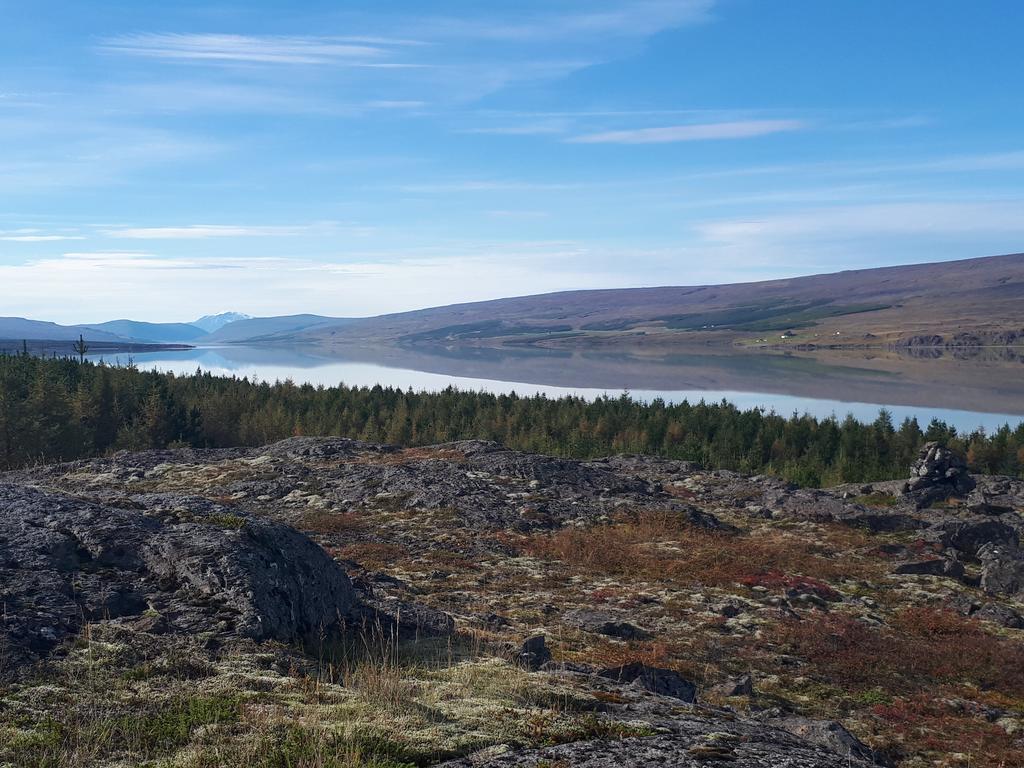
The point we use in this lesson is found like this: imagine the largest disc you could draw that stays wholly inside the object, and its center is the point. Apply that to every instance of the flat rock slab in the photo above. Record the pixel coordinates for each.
(697, 744)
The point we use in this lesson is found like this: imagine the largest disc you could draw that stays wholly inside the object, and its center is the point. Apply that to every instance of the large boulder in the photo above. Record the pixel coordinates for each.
(832, 735)
(1002, 569)
(172, 565)
(664, 682)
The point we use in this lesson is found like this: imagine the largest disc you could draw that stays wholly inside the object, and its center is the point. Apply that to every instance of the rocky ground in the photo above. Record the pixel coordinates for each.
(323, 602)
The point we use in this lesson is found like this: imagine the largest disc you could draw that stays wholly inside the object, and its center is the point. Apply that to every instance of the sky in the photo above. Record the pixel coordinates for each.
(162, 161)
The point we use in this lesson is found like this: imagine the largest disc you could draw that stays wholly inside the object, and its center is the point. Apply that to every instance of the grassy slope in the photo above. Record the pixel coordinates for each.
(887, 303)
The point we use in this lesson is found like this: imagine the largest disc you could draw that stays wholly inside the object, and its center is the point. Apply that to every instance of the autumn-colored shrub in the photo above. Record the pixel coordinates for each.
(371, 554)
(925, 723)
(332, 522)
(921, 647)
(663, 546)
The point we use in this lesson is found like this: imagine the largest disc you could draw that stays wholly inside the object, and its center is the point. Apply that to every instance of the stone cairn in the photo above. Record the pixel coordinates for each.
(938, 469)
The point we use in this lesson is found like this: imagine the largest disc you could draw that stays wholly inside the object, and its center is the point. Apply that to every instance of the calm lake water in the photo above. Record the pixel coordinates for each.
(982, 391)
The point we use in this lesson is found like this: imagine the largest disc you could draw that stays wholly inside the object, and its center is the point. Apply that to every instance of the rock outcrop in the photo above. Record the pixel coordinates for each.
(182, 565)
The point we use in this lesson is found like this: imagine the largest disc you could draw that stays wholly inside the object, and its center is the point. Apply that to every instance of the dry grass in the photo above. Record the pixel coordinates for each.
(385, 706)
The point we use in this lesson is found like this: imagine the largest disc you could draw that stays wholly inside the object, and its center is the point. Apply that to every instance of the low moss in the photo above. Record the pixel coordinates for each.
(877, 500)
(224, 520)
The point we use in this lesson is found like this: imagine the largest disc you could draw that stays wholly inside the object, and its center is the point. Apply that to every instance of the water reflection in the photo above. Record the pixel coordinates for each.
(985, 389)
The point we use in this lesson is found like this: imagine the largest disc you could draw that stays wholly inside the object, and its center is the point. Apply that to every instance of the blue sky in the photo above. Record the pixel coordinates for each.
(165, 160)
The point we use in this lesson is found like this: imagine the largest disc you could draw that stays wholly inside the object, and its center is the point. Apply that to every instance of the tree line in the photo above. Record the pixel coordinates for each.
(55, 409)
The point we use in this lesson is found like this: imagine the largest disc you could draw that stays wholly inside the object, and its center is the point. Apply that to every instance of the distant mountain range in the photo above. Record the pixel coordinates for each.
(159, 333)
(974, 302)
(224, 328)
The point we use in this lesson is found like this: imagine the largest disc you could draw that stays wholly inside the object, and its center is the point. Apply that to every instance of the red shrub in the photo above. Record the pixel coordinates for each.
(926, 723)
(920, 648)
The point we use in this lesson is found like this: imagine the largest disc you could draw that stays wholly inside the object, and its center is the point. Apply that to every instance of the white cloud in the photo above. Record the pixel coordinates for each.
(518, 214)
(72, 287)
(539, 128)
(738, 129)
(815, 240)
(860, 221)
(208, 231)
(400, 59)
(395, 104)
(486, 185)
(38, 238)
(78, 151)
(34, 236)
(600, 20)
(269, 49)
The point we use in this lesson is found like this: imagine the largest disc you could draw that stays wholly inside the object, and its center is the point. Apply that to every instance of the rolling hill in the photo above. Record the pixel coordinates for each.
(18, 328)
(159, 333)
(973, 301)
(257, 328)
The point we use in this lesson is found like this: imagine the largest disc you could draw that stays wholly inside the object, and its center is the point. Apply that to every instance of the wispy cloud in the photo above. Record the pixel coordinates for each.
(411, 57)
(228, 48)
(516, 214)
(602, 19)
(538, 128)
(395, 104)
(34, 236)
(485, 185)
(864, 221)
(738, 129)
(142, 285)
(208, 231)
(49, 153)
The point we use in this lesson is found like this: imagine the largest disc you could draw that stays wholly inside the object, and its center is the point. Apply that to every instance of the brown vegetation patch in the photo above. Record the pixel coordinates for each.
(663, 547)
(371, 554)
(884, 500)
(679, 491)
(921, 647)
(927, 723)
(330, 523)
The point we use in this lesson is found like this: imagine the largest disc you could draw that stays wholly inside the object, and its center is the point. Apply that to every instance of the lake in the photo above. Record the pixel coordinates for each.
(982, 389)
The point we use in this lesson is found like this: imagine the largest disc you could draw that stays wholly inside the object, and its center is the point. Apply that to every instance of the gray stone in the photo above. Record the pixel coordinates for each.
(534, 653)
(664, 682)
(606, 623)
(934, 567)
(208, 569)
(830, 734)
(1002, 569)
(741, 686)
